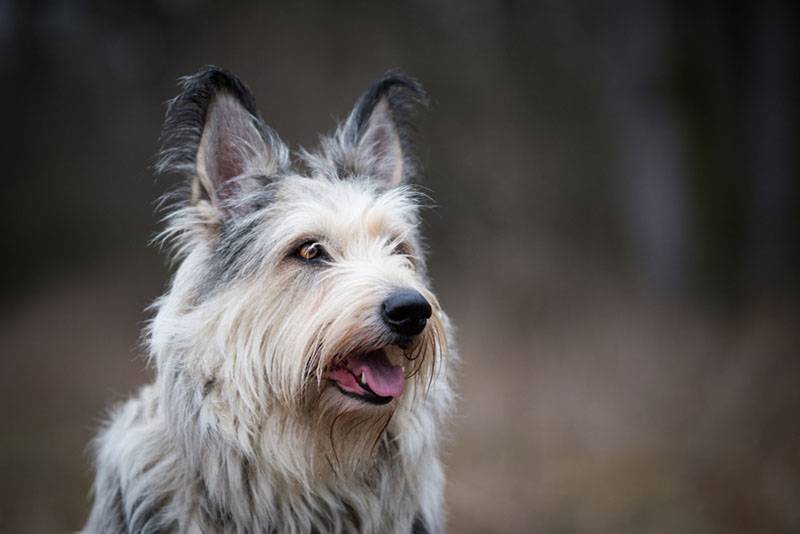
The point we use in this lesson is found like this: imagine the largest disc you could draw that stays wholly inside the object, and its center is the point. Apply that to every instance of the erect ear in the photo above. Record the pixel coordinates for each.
(213, 134)
(376, 141)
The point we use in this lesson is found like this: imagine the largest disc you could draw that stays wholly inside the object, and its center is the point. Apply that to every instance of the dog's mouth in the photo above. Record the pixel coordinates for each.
(368, 377)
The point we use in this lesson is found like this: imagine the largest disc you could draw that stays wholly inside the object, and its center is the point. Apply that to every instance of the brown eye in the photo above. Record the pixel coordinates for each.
(310, 251)
(402, 249)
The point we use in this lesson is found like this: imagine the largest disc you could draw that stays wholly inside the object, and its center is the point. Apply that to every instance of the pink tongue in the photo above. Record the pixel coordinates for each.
(382, 377)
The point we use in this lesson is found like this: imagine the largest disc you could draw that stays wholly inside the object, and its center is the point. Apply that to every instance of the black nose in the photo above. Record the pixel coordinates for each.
(406, 312)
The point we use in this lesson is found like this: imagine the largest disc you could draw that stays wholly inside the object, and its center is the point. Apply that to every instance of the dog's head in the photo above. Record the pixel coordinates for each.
(301, 284)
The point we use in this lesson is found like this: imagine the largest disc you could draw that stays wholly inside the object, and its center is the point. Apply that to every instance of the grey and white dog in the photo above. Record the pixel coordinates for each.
(303, 364)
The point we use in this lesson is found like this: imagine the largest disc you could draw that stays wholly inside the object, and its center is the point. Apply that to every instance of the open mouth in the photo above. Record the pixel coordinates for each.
(368, 377)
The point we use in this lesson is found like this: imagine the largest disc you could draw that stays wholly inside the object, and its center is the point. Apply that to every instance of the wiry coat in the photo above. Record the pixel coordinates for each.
(241, 431)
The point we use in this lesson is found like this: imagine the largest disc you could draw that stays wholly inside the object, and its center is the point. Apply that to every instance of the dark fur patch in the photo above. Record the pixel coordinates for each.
(402, 93)
(354, 519)
(213, 515)
(247, 476)
(419, 526)
(233, 241)
(147, 515)
(208, 386)
(116, 516)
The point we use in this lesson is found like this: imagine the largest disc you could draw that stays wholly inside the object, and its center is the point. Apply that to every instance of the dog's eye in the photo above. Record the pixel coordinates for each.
(402, 249)
(310, 251)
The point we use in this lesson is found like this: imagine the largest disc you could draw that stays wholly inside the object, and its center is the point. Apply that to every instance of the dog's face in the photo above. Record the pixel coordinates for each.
(304, 283)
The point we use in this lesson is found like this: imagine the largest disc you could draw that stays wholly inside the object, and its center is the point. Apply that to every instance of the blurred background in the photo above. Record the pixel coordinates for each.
(616, 237)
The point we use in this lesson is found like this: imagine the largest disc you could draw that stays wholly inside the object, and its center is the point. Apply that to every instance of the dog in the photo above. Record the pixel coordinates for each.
(303, 364)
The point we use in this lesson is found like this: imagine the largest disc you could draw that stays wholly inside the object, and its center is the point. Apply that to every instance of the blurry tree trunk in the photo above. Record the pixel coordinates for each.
(773, 93)
(650, 143)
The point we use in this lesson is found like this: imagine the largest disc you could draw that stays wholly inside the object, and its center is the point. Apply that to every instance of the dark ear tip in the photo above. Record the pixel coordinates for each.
(210, 80)
(398, 80)
(186, 114)
(402, 92)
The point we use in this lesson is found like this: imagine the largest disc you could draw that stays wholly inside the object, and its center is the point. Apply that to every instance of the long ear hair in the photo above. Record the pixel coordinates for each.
(214, 135)
(377, 139)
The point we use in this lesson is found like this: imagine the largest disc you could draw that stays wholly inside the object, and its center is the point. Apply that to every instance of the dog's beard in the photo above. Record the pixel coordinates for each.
(280, 395)
(351, 426)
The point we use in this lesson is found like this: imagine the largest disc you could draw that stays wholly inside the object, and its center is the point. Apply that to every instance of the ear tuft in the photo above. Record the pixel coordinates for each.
(214, 134)
(376, 141)
(400, 92)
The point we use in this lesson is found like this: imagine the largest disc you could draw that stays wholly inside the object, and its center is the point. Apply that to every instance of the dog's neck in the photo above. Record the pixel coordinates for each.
(344, 480)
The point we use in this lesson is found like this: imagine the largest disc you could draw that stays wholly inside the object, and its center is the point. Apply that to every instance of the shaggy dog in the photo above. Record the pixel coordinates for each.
(303, 363)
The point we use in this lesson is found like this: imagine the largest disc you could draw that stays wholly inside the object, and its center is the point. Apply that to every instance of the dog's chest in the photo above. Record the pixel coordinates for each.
(377, 501)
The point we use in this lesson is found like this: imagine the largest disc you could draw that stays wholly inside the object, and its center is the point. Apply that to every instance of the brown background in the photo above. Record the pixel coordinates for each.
(616, 238)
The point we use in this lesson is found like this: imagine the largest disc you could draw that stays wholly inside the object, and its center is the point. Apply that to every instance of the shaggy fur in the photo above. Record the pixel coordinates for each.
(242, 430)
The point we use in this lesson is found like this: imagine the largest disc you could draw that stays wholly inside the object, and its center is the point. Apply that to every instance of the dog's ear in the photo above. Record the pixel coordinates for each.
(376, 141)
(213, 134)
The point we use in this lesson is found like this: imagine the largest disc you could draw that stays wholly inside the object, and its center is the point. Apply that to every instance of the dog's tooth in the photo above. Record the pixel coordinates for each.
(363, 378)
